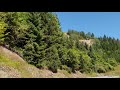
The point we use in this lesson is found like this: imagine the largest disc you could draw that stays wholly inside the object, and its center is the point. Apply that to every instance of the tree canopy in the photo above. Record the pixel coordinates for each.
(38, 38)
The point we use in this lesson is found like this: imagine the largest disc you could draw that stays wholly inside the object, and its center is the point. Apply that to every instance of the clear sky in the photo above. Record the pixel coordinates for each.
(99, 23)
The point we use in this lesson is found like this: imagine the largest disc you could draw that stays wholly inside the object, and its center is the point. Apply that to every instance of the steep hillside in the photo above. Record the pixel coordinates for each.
(13, 66)
(38, 38)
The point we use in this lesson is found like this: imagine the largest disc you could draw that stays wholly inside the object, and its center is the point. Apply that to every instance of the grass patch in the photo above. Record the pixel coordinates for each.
(16, 65)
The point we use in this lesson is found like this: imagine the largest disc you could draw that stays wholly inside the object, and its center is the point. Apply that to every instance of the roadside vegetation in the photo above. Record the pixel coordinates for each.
(37, 37)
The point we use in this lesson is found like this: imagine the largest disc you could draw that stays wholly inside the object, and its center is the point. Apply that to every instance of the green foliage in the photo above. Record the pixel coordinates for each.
(3, 26)
(85, 64)
(65, 67)
(112, 61)
(75, 35)
(37, 37)
(54, 65)
(14, 35)
(73, 59)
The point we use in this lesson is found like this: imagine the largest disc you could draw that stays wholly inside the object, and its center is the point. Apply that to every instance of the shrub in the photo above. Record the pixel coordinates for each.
(112, 61)
(53, 65)
(101, 70)
(65, 67)
(53, 68)
(42, 64)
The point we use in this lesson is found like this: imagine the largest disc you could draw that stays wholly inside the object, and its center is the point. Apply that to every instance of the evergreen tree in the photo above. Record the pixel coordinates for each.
(92, 35)
(37, 36)
(3, 26)
(16, 27)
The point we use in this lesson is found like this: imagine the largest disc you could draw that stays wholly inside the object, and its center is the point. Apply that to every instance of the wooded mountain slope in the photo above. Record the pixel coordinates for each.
(38, 38)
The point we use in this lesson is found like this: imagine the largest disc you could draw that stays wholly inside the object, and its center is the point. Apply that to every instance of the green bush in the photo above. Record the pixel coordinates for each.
(53, 66)
(101, 70)
(65, 67)
(112, 61)
(85, 63)
(99, 66)
(42, 64)
(107, 66)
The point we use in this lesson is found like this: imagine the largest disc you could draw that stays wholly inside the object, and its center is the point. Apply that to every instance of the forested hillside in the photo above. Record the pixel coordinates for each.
(38, 38)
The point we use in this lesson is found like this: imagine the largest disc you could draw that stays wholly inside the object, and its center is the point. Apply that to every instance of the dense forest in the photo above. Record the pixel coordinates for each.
(37, 37)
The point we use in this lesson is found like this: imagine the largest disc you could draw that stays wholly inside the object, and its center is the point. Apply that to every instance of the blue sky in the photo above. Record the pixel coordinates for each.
(99, 23)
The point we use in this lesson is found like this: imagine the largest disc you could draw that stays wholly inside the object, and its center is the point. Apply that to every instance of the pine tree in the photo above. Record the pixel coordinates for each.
(16, 27)
(44, 37)
(3, 26)
(38, 37)
(34, 36)
(92, 35)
